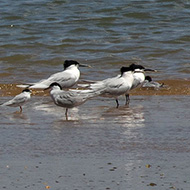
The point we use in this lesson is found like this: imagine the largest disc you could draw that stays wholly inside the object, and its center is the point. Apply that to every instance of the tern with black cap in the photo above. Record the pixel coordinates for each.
(138, 76)
(71, 98)
(116, 86)
(66, 79)
(19, 100)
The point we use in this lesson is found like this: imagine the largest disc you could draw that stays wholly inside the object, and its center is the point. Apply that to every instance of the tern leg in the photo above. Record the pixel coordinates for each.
(117, 102)
(127, 99)
(66, 113)
(20, 109)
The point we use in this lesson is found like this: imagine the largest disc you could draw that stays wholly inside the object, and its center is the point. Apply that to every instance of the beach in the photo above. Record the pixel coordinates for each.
(143, 146)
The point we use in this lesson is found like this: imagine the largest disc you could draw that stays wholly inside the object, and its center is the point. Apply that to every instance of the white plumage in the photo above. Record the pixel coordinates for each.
(72, 98)
(115, 86)
(19, 100)
(67, 78)
(148, 83)
(138, 76)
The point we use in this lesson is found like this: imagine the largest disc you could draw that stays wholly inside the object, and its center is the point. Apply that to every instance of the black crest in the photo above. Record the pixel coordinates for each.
(26, 90)
(68, 63)
(148, 78)
(125, 69)
(55, 84)
(134, 66)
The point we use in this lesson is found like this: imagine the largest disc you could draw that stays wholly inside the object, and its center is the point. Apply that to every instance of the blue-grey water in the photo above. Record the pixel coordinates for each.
(37, 36)
(140, 147)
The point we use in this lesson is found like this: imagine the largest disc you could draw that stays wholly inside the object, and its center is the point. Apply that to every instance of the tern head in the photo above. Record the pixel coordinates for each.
(55, 85)
(140, 68)
(148, 78)
(69, 63)
(126, 69)
(27, 90)
(137, 68)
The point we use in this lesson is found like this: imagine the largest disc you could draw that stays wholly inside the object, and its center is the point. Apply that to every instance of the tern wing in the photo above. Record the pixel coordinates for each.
(74, 98)
(153, 85)
(117, 87)
(99, 85)
(65, 79)
(16, 101)
(61, 76)
(67, 99)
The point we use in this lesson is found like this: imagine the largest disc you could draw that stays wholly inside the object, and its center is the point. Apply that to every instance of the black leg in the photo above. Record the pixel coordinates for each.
(117, 102)
(127, 99)
(20, 109)
(66, 113)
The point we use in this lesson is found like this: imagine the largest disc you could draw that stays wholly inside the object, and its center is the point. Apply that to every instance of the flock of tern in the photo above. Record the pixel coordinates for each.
(60, 83)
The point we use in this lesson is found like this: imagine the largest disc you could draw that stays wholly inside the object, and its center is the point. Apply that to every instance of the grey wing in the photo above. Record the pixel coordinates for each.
(152, 84)
(116, 83)
(60, 77)
(65, 79)
(17, 100)
(66, 98)
(116, 86)
(135, 84)
(102, 84)
(57, 77)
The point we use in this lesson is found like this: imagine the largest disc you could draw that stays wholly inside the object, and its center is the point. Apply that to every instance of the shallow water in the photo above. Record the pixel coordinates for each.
(100, 147)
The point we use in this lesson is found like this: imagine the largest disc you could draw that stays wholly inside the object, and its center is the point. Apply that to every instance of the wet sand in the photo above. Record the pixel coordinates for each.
(143, 146)
(171, 87)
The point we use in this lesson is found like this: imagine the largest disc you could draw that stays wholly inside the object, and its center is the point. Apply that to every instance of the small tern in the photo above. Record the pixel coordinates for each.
(71, 98)
(19, 99)
(148, 83)
(116, 86)
(67, 78)
(139, 78)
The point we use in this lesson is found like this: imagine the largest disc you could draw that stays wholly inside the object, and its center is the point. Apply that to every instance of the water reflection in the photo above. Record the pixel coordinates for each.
(15, 118)
(129, 117)
(49, 109)
(93, 113)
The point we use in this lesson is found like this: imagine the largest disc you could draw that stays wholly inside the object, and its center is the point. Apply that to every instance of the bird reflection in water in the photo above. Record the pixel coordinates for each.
(126, 117)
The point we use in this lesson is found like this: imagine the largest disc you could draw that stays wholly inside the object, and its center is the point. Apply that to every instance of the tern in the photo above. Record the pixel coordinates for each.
(19, 99)
(72, 98)
(148, 83)
(116, 86)
(67, 78)
(139, 78)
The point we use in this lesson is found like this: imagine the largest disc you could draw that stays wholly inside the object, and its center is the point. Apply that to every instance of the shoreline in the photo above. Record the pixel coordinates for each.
(171, 87)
